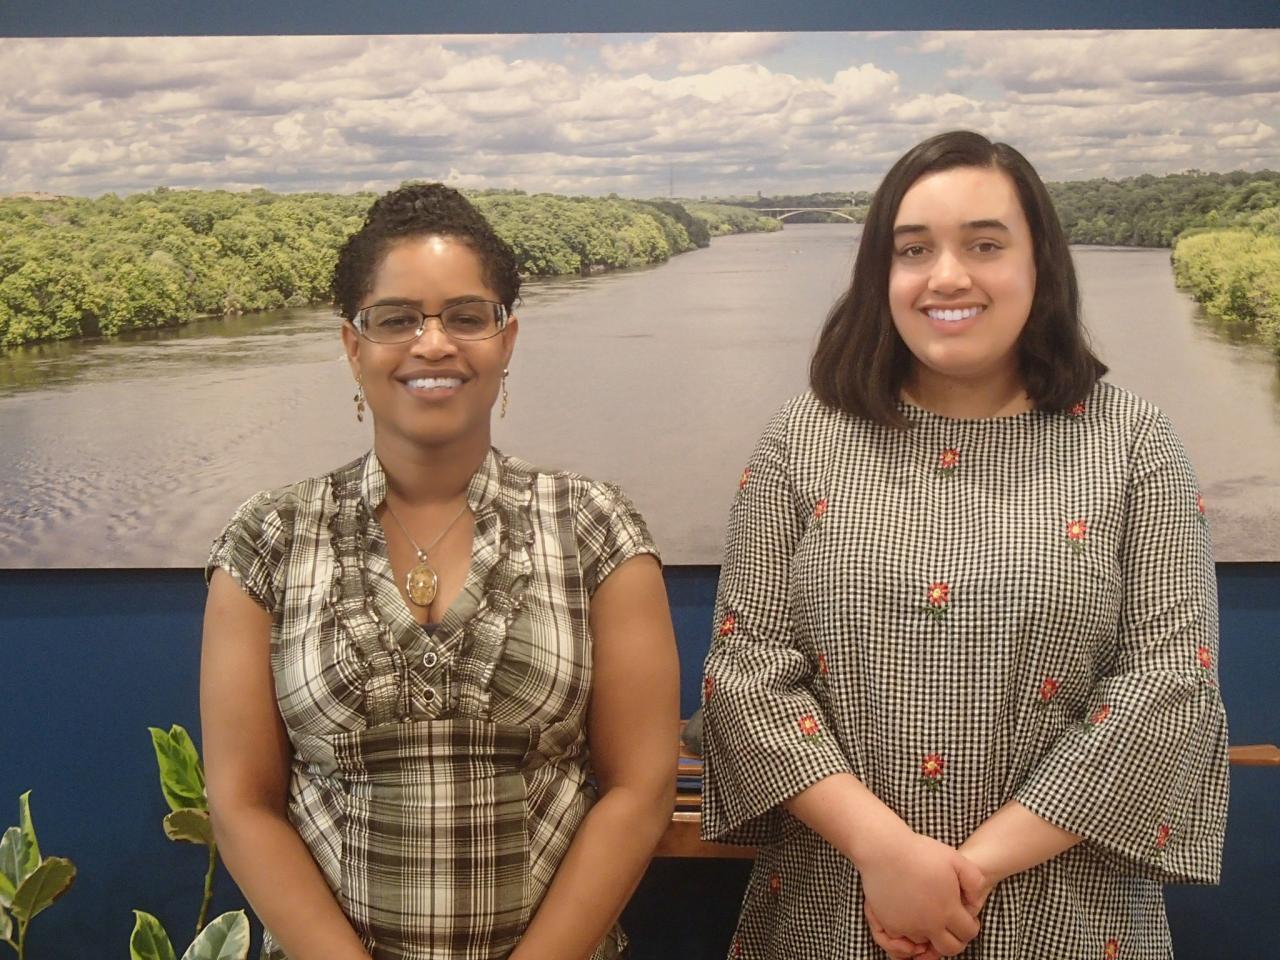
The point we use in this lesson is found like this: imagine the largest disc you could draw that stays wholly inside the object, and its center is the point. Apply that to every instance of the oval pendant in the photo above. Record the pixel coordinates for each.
(420, 584)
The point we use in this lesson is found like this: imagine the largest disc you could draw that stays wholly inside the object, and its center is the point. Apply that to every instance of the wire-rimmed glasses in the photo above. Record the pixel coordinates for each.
(401, 323)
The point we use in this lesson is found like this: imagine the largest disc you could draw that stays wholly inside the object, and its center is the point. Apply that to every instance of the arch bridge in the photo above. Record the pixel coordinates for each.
(782, 213)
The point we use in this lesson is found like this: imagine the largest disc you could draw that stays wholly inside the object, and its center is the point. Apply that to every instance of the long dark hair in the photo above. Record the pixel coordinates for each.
(861, 362)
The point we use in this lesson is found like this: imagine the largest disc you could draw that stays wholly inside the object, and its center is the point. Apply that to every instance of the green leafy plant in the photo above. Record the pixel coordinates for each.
(182, 781)
(29, 883)
(225, 938)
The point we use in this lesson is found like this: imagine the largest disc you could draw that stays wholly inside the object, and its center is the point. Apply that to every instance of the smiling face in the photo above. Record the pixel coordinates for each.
(962, 276)
(434, 390)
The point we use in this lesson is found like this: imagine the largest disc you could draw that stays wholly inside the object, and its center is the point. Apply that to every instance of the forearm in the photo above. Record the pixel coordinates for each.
(1014, 839)
(605, 861)
(275, 871)
(844, 812)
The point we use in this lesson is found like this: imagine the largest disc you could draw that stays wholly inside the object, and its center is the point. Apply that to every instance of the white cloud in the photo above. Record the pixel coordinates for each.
(1154, 61)
(689, 52)
(88, 115)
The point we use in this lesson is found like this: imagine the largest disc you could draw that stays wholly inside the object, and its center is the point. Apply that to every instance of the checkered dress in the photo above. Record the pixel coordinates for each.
(437, 778)
(961, 614)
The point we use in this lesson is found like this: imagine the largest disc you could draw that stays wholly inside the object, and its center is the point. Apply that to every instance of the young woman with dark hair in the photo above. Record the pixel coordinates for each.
(962, 687)
(412, 664)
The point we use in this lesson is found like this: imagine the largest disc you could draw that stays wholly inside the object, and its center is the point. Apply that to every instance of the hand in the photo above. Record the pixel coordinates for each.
(915, 888)
(976, 885)
(899, 948)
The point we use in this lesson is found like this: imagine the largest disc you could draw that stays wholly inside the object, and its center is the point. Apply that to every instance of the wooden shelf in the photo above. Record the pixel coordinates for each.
(1256, 755)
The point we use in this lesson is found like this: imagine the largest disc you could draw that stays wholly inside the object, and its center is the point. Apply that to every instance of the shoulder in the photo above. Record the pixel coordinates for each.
(805, 431)
(607, 529)
(562, 488)
(1138, 424)
(271, 515)
(1120, 409)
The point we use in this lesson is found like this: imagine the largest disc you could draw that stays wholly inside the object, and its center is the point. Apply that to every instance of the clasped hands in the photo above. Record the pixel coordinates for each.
(921, 897)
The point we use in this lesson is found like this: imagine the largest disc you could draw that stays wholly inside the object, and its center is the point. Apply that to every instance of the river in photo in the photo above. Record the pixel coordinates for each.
(133, 452)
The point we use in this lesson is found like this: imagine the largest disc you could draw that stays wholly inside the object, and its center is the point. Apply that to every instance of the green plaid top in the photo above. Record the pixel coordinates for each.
(437, 779)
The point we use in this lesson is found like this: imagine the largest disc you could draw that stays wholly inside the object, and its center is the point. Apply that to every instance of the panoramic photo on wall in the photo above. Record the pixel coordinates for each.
(685, 208)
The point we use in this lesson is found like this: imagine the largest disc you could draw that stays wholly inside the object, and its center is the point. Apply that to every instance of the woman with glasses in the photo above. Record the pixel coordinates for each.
(438, 689)
(962, 690)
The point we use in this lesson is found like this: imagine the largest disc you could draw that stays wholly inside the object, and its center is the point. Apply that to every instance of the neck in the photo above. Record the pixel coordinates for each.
(999, 395)
(420, 475)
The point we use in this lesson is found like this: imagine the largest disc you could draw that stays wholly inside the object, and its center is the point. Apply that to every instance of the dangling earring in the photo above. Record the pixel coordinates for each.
(358, 399)
(505, 397)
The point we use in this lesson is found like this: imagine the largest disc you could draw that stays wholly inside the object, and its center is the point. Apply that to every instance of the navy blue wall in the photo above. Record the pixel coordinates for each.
(89, 659)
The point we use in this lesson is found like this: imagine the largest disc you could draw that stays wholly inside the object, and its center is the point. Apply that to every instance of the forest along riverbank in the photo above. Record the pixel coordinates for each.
(135, 453)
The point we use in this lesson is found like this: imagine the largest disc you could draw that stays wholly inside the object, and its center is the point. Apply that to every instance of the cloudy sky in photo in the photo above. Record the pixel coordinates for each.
(639, 115)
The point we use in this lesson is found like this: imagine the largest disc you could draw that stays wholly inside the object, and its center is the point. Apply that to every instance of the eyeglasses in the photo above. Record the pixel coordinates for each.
(398, 323)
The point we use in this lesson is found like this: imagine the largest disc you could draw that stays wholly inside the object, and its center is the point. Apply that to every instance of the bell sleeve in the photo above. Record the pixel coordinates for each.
(765, 737)
(1143, 776)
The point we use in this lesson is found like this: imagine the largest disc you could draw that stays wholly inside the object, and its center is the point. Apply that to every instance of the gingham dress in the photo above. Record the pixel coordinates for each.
(437, 779)
(960, 614)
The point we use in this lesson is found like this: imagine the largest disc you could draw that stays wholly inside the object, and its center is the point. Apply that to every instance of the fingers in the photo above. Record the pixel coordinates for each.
(960, 929)
(963, 925)
(946, 943)
(899, 948)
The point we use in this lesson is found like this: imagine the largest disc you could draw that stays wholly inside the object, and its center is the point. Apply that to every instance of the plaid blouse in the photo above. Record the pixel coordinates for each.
(960, 614)
(437, 779)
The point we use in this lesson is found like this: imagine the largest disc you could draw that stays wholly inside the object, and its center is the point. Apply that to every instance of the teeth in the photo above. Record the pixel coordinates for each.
(954, 316)
(434, 383)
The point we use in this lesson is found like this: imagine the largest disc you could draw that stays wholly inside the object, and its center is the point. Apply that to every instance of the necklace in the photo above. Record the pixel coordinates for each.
(421, 582)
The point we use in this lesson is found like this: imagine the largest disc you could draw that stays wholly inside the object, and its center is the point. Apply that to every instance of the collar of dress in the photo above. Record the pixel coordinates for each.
(481, 490)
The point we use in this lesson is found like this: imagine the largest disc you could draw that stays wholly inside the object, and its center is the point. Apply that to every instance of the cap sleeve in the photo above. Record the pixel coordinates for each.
(251, 548)
(610, 532)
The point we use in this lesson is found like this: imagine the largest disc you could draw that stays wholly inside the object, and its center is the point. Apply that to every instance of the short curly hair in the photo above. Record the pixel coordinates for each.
(419, 210)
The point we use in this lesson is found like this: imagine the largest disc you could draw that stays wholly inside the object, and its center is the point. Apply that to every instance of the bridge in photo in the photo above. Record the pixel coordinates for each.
(782, 213)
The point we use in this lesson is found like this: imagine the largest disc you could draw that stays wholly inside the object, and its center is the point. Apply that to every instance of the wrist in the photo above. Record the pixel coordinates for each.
(986, 858)
(878, 840)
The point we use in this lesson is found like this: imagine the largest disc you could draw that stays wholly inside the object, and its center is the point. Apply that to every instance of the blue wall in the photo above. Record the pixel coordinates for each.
(89, 659)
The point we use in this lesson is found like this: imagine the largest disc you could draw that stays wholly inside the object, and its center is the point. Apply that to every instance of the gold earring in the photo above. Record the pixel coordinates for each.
(505, 397)
(358, 399)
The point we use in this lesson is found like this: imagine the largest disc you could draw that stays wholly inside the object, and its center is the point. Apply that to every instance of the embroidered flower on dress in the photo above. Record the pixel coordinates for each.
(820, 509)
(1048, 688)
(1204, 657)
(1203, 517)
(809, 728)
(932, 768)
(948, 460)
(1099, 715)
(1077, 530)
(939, 597)
(746, 475)
(737, 947)
(775, 885)
(708, 687)
(1162, 835)
(822, 664)
(1076, 411)
(1111, 949)
(728, 624)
